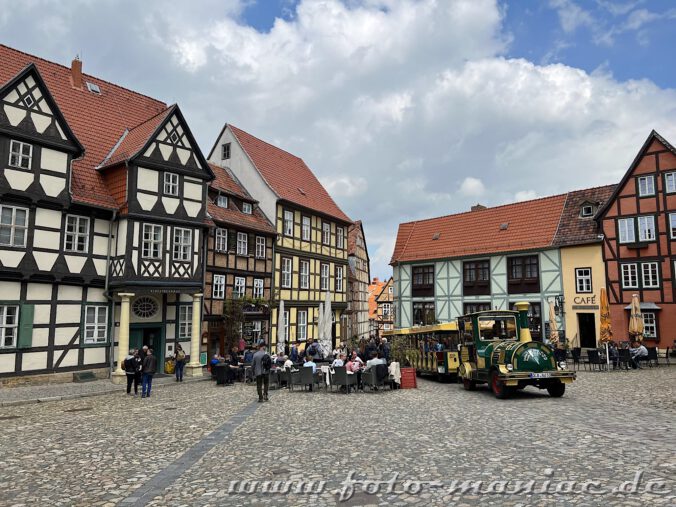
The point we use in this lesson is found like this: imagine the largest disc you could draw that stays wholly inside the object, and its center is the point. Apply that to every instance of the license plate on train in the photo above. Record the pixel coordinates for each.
(540, 375)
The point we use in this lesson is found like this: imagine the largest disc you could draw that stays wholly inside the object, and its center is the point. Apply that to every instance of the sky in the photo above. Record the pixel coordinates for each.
(404, 109)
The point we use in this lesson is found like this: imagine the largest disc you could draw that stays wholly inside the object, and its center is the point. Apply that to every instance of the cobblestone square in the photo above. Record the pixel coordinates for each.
(199, 444)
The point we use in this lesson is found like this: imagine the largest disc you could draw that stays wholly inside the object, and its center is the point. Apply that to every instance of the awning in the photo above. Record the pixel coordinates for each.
(645, 306)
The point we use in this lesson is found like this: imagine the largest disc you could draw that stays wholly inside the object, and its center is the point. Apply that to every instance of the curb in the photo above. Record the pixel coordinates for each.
(47, 399)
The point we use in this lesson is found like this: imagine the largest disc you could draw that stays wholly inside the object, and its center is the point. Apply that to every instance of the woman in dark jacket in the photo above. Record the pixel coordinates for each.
(132, 367)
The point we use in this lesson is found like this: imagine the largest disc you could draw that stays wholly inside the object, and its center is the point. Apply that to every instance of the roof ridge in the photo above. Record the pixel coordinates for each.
(558, 226)
(268, 143)
(83, 74)
(151, 117)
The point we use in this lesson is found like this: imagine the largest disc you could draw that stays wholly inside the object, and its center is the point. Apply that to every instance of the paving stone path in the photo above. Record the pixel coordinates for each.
(199, 444)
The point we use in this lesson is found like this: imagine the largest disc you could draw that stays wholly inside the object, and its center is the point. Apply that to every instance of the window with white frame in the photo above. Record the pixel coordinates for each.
(649, 325)
(152, 241)
(170, 184)
(583, 279)
(670, 182)
(339, 279)
(672, 225)
(247, 208)
(13, 226)
(77, 234)
(646, 228)
(221, 242)
(20, 154)
(340, 237)
(9, 326)
(324, 278)
(184, 322)
(306, 229)
(651, 277)
(256, 330)
(301, 325)
(288, 223)
(260, 247)
(387, 310)
(646, 185)
(286, 326)
(286, 272)
(240, 287)
(625, 227)
(258, 288)
(182, 244)
(390, 290)
(304, 274)
(629, 276)
(326, 233)
(587, 211)
(96, 324)
(222, 201)
(218, 290)
(242, 243)
(225, 151)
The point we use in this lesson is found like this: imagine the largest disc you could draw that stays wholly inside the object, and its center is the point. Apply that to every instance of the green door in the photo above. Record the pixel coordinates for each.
(135, 338)
(150, 335)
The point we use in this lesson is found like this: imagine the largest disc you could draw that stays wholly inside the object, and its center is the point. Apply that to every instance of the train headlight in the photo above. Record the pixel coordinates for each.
(562, 365)
(509, 367)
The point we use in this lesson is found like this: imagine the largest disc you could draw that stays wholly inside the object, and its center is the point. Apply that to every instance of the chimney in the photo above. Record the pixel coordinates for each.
(478, 207)
(76, 72)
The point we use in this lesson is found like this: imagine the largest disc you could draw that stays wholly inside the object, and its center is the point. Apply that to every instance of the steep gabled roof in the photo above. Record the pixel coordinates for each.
(573, 228)
(227, 183)
(226, 217)
(288, 176)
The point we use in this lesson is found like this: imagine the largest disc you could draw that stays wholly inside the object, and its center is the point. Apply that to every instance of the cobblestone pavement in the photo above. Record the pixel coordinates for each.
(186, 446)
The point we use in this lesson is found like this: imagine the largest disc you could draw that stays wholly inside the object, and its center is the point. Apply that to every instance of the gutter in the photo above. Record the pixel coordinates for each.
(109, 297)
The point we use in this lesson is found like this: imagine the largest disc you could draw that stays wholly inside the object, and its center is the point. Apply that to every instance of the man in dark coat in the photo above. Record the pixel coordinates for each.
(261, 370)
(149, 369)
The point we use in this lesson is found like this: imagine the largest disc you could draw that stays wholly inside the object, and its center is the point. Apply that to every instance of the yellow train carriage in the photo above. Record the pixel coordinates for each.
(431, 350)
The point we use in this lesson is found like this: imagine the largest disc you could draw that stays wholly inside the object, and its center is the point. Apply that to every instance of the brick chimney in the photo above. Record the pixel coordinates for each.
(478, 207)
(76, 72)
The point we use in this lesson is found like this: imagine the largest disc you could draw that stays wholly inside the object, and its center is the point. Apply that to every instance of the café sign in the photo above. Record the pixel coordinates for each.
(585, 303)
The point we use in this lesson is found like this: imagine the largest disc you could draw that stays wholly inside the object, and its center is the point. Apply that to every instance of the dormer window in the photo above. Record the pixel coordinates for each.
(170, 184)
(247, 208)
(587, 211)
(222, 201)
(20, 154)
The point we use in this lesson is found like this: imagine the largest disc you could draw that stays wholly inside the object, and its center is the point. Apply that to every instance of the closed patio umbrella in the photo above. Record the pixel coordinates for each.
(280, 328)
(553, 327)
(636, 319)
(327, 346)
(606, 335)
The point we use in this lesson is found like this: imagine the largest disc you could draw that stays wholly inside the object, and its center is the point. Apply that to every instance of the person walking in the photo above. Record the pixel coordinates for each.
(179, 359)
(131, 363)
(149, 369)
(262, 362)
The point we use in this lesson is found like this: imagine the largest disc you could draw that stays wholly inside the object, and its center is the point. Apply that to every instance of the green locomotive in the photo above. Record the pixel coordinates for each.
(497, 349)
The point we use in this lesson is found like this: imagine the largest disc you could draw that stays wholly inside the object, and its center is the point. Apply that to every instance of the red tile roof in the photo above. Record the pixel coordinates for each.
(226, 182)
(288, 176)
(529, 225)
(229, 216)
(98, 120)
(575, 229)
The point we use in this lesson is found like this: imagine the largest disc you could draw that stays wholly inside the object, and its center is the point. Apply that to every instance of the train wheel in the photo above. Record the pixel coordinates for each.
(500, 390)
(468, 384)
(556, 390)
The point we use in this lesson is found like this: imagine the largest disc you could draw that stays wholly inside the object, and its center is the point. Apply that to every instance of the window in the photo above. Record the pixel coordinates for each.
(286, 326)
(587, 211)
(476, 278)
(497, 327)
(20, 154)
(387, 327)
(240, 287)
(93, 88)
(646, 228)
(260, 247)
(390, 290)
(145, 307)
(583, 279)
(625, 228)
(672, 225)
(477, 307)
(182, 244)
(306, 229)
(387, 311)
(9, 326)
(242, 243)
(96, 324)
(423, 314)
(184, 322)
(247, 208)
(170, 184)
(286, 272)
(28, 100)
(670, 182)
(152, 241)
(225, 151)
(304, 274)
(339, 279)
(629, 276)
(423, 281)
(523, 274)
(646, 186)
(218, 290)
(340, 237)
(301, 325)
(324, 279)
(256, 330)
(77, 234)
(649, 325)
(258, 288)
(651, 277)
(288, 223)
(221, 243)
(222, 201)
(326, 233)
(13, 225)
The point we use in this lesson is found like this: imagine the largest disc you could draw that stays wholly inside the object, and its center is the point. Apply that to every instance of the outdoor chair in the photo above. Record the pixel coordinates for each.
(666, 357)
(623, 358)
(652, 357)
(371, 378)
(305, 377)
(340, 377)
(595, 360)
(575, 354)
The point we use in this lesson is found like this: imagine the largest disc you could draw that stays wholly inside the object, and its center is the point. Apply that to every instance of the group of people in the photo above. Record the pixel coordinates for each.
(140, 366)
(637, 353)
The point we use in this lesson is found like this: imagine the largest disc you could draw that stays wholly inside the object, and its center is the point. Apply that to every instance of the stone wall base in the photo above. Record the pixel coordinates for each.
(50, 378)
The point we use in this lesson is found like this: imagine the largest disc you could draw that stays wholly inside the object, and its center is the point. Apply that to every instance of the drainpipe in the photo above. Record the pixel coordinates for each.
(272, 293)
(109, 297)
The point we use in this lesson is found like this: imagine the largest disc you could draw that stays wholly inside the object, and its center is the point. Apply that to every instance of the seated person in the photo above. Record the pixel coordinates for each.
(234, 370)
(355, 364)
(288, 363)
(339, 361)
(637, 352)
(248, 355)
(214, 360)
(375, 360)
(309, 363)
(281, 359)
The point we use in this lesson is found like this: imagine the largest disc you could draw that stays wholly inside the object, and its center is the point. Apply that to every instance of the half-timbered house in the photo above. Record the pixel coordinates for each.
(103, 204)
(238, 282)
(359, 276)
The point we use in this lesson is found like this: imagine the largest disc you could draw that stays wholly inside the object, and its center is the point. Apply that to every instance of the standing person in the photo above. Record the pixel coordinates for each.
(262, 363)
(295, 354)
(385, 349)
(179, 358)
(144, 352)
(149, 369)
(130, 368)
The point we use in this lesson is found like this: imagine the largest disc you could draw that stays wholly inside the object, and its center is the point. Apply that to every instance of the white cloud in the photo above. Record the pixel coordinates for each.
(472, 187)
(525, 195)
(345, 186)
